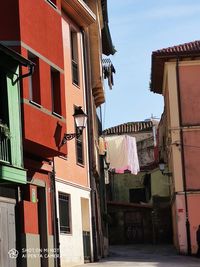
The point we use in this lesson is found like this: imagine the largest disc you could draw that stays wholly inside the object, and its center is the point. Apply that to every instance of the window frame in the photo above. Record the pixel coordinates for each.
(55, 79)
(78, 141)
(68, 212)
(74, 57)
(51, 2)
(34, 81)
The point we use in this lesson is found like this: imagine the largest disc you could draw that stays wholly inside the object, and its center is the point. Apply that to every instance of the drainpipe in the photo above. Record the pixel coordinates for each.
(29, 73)
(55, 216)
(90, 143)
(183, 161)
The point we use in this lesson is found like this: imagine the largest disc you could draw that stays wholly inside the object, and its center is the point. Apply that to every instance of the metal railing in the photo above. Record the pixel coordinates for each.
(4, 146)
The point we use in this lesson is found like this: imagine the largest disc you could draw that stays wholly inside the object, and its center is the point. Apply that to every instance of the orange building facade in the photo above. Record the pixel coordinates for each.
(72, 176)
(81, 235)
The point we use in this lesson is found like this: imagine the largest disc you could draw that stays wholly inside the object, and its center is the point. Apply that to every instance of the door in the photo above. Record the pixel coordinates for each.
(86, 229)
(8, 252)
(134, 227)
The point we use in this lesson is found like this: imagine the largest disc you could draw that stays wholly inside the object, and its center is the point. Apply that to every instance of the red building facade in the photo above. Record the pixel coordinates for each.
(33, 29)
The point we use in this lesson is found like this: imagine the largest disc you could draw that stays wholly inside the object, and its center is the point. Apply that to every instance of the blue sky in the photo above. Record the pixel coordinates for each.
(139, 27)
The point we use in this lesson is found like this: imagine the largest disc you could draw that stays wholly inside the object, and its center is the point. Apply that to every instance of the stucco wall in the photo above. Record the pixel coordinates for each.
(189, 89)
(180, 218)
(74, 96)
(194, 218)
(173, 130)
(123, 182)
(192, 154)
(160, 184)
(71, 245)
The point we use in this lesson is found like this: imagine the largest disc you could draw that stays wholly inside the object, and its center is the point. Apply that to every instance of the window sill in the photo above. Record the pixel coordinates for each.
(76, 85)
(63, 157)
(65, 233)
(35, 104)
(80, 164)
(57, 115)
(52, 4)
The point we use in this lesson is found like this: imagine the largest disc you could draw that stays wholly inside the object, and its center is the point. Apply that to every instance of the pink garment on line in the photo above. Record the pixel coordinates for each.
(122, 153)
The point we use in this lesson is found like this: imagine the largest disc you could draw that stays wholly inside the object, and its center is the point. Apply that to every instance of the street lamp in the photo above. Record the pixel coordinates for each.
(80, 119)
(162, 168)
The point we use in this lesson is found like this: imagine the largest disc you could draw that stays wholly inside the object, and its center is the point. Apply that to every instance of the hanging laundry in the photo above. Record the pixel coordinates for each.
(102, 146)
(108, 70)
(122, 153)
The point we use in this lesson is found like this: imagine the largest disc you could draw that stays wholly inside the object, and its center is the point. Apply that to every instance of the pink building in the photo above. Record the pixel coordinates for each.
(175, 75)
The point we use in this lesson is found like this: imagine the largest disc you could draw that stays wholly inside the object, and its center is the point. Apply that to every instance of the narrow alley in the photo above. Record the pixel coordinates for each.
(99, 133)
(148, 255)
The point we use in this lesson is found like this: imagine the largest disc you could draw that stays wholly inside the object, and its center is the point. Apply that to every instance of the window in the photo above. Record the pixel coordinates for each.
(74, 55)
(55, 89)
(52, 2)
(137, 195)
(34, 80)
(79, 146)
(64, 213)
(79, 149)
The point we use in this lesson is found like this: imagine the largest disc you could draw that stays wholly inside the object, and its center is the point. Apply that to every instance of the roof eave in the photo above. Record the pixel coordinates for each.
(15, 56)
(79, 12)
(158, 62)
(107, 45)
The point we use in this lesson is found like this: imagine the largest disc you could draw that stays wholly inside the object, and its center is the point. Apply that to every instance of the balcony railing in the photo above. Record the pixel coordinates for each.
(4, 144)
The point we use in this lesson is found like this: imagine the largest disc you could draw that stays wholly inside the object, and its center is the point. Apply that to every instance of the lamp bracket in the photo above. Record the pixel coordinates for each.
(70, 136)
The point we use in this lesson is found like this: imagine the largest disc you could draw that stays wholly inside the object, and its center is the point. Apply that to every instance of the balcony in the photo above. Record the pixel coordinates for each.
(4, 144)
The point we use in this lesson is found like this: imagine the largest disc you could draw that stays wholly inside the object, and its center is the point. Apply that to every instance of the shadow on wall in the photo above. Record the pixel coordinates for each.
(57, 135)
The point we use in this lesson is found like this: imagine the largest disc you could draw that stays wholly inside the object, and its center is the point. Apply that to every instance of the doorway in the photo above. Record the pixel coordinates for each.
(86, 229)
(8, 252)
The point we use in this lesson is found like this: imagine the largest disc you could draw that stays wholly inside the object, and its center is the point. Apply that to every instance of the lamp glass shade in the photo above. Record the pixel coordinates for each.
(80, 118)
(162, 166)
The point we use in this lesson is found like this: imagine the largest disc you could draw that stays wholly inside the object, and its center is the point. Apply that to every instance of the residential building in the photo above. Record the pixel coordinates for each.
(60, 200)
(138, 204)
(13, 175)
(81, 233)
(35, 31)
(175, 75)
(72, 173)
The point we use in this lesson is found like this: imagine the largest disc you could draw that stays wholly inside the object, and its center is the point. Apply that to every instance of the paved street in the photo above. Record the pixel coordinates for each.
(151, 256)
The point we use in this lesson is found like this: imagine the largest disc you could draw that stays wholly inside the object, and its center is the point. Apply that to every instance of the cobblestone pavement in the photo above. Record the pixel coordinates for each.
(147, 256)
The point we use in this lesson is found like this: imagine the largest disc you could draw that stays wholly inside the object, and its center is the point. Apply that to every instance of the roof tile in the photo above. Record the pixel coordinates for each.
(130, 127)
(182, 48)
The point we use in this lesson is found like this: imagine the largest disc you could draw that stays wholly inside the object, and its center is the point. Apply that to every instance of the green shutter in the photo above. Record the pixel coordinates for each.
(14, 121)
